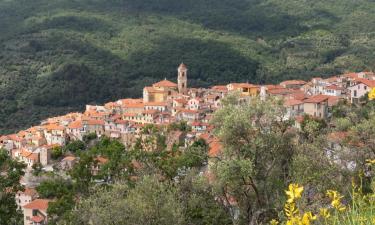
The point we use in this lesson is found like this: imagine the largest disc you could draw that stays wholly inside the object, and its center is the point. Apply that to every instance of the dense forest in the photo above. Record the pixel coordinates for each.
(57, 55)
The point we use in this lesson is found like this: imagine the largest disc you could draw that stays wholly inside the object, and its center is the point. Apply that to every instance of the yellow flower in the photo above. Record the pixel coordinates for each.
(294, 221)
(370, 162)
(336, 200)
(294, 192)
(324, 213)
(371, 94)
(307, 218)
(290, 209)
(274, 222)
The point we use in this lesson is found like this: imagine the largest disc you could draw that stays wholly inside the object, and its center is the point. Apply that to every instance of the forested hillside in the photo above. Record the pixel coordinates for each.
(57, 55)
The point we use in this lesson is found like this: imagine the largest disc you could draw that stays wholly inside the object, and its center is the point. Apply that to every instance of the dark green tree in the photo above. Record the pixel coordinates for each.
(10, 174)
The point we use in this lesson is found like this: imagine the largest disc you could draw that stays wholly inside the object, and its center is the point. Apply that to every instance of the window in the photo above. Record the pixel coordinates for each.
(365, 87)
(355, 93)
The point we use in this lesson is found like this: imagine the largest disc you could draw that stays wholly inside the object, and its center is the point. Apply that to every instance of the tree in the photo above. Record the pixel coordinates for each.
(200, 204)
(81, 173)
(10, 173)
(37, 169)
(89, 137)
(75, 146)
(258, 148)
(57, 152)
(54, 188)
(151, 202)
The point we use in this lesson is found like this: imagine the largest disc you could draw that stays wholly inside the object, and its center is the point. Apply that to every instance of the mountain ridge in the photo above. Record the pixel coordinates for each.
(56, 56)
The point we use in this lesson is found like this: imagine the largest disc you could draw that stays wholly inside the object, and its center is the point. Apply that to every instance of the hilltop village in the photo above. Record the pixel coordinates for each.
(165, 103)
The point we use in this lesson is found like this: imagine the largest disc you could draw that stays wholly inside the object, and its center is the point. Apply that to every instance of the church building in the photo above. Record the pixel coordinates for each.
(160, 91)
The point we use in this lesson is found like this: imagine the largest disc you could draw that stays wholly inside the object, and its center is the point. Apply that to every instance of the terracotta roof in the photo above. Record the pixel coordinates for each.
(95, 122)
(220, 88)
(316, 99)
(155, 104)
(135, 105)
(369, 83)
(180, 100)
(215, 149)
(351, 75)
(297, 95)
(41, 204)
(278, 91)
(29, 192)
(14, 137)
(30, 155)
(129, 101)
(165, 83)
(75, 124)
(153, 90)
(120, 121)
(69, 158)
(333, 100)
(101, 159)
(53, 126)
(182, 66)
(129, 114)
(271, 86)
(293, 82)
(291, 102)
(151, 111)
(37, 219)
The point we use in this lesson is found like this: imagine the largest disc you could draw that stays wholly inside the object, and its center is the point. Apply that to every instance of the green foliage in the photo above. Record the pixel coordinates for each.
(57, 152)
(312, 127)
(54, 188)
(37, 169)
(75, 146)
(10, 174)
(89, 137)
(58, 56)
(81, 173)
(181, 126)
(258, 149)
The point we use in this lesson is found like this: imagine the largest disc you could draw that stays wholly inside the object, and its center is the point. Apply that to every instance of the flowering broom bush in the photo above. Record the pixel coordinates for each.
(361, 210)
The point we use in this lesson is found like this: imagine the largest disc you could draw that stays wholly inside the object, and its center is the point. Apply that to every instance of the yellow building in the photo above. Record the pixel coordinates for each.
(159, 91)
(245, 89)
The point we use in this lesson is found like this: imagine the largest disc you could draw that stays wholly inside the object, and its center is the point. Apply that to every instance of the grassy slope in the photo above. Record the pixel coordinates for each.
(57, 55)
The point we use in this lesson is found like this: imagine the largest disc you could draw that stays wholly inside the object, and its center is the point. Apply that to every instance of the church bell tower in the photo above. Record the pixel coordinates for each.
(182, 79)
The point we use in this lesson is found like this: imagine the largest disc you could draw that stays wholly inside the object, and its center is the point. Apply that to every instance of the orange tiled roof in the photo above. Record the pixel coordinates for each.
(155, 104)
(291, 102)
(69, 158)
(75, 124)
(95, 122)
(293, 82)
(101, 159)
(37, 219)
(41, 204)
(220, 88)
(215, 148)
(29, 192)
(53, 126)
(316, 99)
(369, 83)
(165, 83)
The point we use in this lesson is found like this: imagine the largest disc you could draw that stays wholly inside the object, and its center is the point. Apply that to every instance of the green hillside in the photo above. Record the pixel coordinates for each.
(57, 55)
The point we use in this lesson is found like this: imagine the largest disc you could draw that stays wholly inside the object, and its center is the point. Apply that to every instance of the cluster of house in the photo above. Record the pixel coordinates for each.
(166, 102)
